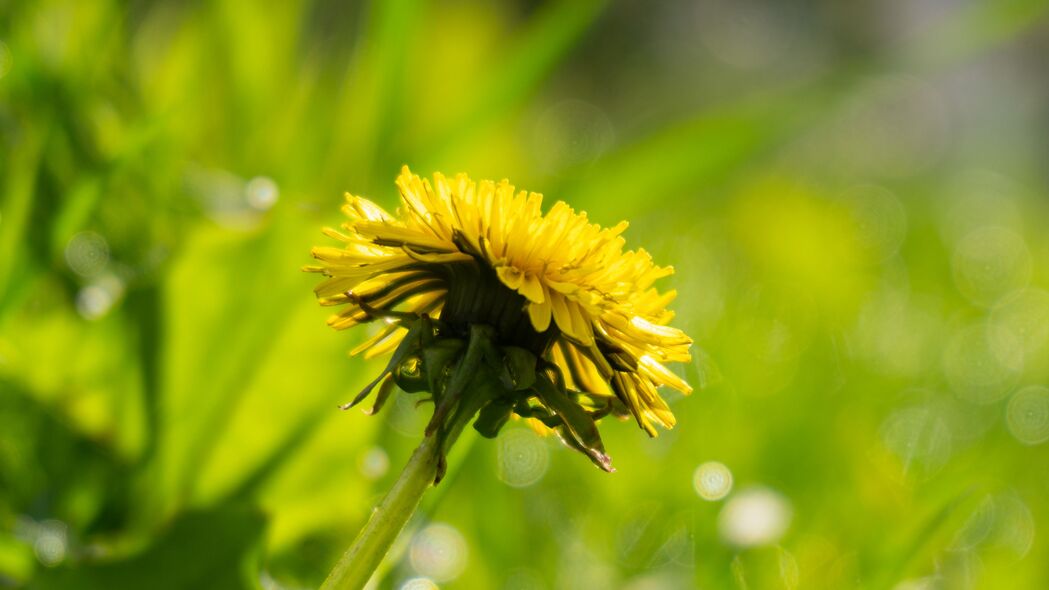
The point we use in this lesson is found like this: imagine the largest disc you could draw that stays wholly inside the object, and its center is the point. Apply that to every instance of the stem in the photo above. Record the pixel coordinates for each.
(356, 566)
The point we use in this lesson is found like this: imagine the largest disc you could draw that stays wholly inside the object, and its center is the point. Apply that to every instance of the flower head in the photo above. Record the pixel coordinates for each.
(472, 277)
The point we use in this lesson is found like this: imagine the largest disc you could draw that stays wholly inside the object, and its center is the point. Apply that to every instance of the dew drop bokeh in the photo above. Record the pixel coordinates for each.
(523, 457)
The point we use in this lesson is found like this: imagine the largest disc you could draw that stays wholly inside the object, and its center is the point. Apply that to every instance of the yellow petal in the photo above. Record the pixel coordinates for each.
(539, 313)
(510, 276)
(581, 326)
(376, 339)
(562, 287)
(660, 374)
(437, 258)
(532, 289)
(561, 314)
(361, 208)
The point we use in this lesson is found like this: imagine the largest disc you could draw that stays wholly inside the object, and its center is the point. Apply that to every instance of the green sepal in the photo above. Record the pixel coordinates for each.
(577, 423)
(428, 331)
(385, 389)
(572, 442)
(480, 337)
(526, 410)
(483, 389)
(518, 370)
(408, 345)
(411, 374)
(437, 358)
(493, 416)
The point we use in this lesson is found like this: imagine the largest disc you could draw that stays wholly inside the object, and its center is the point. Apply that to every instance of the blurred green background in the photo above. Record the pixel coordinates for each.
(855, 196)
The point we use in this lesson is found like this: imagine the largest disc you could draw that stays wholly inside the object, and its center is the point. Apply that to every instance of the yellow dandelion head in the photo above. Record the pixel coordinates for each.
(461, 255)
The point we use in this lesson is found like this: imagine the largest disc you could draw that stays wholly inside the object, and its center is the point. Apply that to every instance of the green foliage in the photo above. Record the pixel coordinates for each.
(853, 198)
(226, 539)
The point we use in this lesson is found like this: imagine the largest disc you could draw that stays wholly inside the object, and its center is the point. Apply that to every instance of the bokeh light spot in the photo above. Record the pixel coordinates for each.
(1021, 318)
(896, 335)
(438, 552)
(977, 527)
(261, 192)
(51, 543)
(989, 262)
(974, 369)
(1002, 523)
(523, 457)
(918, 437)
(581, 567)
(1027, 415)
(1015, 530)
(374, 463)
(712, 481)
(754, 517)
(881, 220)
(419, 584)
(87, 254)
(94, 301)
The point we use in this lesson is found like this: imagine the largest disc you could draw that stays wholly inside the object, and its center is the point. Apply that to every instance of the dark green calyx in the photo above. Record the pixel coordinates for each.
(477, 296)
(474, 369)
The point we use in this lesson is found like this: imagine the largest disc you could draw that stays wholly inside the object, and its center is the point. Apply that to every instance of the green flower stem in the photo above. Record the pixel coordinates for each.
(356, 566)
(359, 562)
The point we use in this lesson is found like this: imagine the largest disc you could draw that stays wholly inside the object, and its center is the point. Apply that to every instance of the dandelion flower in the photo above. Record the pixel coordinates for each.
(494, 309)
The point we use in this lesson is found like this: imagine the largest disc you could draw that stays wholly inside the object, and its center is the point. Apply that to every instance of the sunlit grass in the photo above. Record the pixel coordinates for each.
(862, 246)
